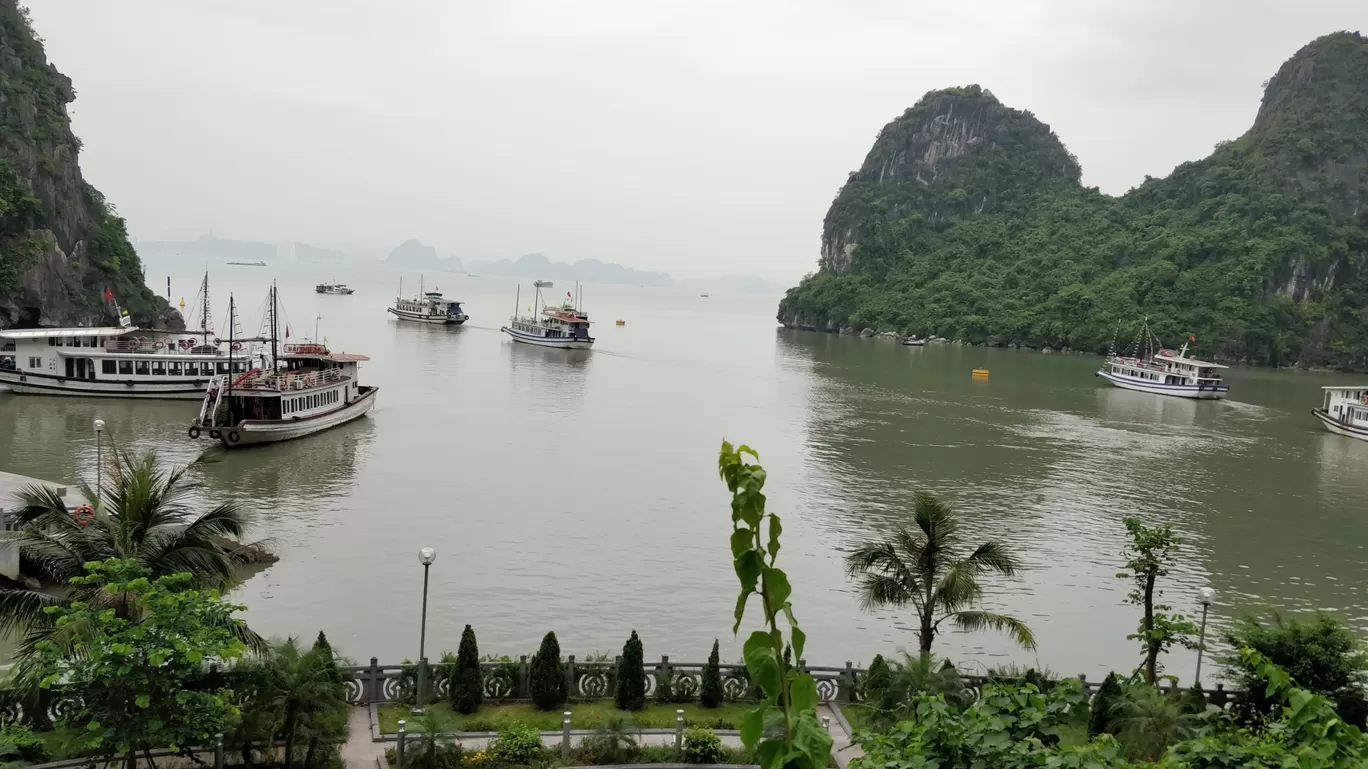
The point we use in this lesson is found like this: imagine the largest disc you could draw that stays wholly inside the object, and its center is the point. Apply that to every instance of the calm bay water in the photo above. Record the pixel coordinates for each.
(577, 491)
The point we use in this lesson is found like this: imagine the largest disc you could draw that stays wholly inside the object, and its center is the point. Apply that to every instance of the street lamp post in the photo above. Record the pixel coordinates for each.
(99, 461)
(1204, 596)
(425, 556)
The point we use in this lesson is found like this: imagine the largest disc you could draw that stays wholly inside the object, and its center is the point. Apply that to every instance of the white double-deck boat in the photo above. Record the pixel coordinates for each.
(1167, 372)
(565, 327)
(121, 361)
(428, 307)
(334, 288)
(308, 389)
(1345, 411)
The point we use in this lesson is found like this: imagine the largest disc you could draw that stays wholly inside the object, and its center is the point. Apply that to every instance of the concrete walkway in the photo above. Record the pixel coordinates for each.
(359, 752)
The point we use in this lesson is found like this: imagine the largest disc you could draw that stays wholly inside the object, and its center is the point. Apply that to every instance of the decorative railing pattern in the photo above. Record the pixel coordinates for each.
(597, 679)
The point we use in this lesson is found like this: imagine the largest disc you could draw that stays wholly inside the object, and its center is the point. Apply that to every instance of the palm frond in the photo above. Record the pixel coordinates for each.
(880, 590)
(994, 556)
(959, 589)
(21, 609)
(985, 620)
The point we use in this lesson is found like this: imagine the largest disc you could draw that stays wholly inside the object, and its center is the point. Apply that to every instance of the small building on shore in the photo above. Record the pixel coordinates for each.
(10, 484)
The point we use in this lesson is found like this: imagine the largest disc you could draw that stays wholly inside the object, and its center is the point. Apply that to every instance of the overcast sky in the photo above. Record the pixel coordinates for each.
(691, 136)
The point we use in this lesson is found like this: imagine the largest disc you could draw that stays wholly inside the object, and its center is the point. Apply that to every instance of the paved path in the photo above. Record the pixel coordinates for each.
(359, 752)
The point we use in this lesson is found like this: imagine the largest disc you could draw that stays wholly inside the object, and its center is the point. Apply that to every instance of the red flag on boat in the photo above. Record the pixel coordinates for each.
(109, 295)
(568, 295)
(1192, 338)
(287, 331)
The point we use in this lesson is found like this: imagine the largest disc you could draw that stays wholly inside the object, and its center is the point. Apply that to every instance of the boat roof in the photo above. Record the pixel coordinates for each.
(1188, 360)
(46, 333)
(1346, 387)
(564, 316)
(12, 483)
(336, 357)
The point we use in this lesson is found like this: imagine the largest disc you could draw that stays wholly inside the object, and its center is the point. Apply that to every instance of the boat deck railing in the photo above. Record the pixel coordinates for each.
(284, 381)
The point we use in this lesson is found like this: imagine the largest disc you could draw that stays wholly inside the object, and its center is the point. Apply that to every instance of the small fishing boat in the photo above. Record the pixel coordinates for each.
(1345, 411)
(307, 389)
(428, 307)
(913, 341)
(334, 288)
(248, 264)
(705, 296)
(1161, 371)
(564, 326)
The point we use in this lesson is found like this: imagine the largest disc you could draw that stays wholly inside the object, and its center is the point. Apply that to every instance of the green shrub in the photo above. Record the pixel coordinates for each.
(613, 742)
(702, 746)
(466, 686)
(877, 680)
(631, 676)
(1322, 655)
(19, 743)
(517, 743)
(548, 676)
(1103, 703)
(710, 688)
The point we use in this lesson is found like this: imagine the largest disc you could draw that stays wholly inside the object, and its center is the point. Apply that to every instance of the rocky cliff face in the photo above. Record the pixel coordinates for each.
(957, 152)
(61, 244)
(967, 220)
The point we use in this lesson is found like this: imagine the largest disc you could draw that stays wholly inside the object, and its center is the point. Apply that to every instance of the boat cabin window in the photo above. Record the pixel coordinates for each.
(107, 366)
(206, 369)
(125, 367)
(35, 363)
(158, 368)
(222, 368)
(173, 368)
(140, 367)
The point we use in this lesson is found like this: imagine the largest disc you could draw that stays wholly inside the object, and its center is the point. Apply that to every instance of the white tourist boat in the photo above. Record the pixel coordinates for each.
(1167, 372)
(1345, 411)
(564, 326)
(121, 361)
(307, 390)
(428, 307)
(334, 288)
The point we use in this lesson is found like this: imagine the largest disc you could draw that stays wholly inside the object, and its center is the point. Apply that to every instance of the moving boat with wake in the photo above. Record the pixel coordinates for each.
(565, 326)
(428, 307)
(1161, 371)
(1345, 411)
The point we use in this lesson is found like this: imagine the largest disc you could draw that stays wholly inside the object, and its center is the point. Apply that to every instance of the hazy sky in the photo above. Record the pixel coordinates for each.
(696, 137)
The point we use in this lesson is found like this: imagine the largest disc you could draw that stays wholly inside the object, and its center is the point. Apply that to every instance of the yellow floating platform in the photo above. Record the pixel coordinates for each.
(980, 373)
(622, 323)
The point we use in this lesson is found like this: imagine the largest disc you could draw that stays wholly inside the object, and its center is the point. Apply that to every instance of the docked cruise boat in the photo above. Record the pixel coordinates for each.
(121, 361)
(334, 288)
(428, 307)
(1345, 411)
(312, 390)
(1167, 372)
(564, 326)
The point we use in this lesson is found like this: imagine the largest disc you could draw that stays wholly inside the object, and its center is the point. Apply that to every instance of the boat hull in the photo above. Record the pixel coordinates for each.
(1340, 428)
(1175, 391)
(540, 341)
(25, 383)
(257, 433)
(437, 320)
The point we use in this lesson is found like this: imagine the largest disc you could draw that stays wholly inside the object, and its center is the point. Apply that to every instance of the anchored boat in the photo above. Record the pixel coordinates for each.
(565, 326)
(1162, 371)
(428, 307)
(1345, 411)
(307, 389)
(121, 361)
(334, 288)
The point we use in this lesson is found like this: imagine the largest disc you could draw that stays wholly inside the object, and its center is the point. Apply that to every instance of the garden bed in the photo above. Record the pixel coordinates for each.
(583, 715)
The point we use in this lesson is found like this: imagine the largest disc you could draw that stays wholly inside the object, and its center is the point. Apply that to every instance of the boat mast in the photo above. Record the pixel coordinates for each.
(517, 301)
(275, 327)
(204, 307)
(231, 326)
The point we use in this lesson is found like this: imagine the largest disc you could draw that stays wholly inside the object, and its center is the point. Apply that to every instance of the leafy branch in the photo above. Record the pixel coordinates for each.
(790, 696)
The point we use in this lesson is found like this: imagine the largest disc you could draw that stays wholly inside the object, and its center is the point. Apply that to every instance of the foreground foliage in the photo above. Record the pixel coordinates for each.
(923, 566)
(1150, 554)
(136, 672)
(1014, 726)
(783, 730)
(1322, 655)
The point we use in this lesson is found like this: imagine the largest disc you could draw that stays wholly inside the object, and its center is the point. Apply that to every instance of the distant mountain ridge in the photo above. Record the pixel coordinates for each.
(210, 247)
(539, 267)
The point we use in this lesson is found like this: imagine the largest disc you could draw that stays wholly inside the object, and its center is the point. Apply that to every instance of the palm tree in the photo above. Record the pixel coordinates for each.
(303, 688)
(1147, 721)
(142, 514)
(895, 698)
(921, 566)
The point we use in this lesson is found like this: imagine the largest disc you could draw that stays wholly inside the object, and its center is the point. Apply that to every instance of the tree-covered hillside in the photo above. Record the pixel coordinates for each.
(967, 220)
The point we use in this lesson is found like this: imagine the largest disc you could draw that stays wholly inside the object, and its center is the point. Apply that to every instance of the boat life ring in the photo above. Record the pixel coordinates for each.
(186, 344)
(193, 432)
(1364, 399)
(1166, 353)
(83, 515)
(233, 436)
(237, 346)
